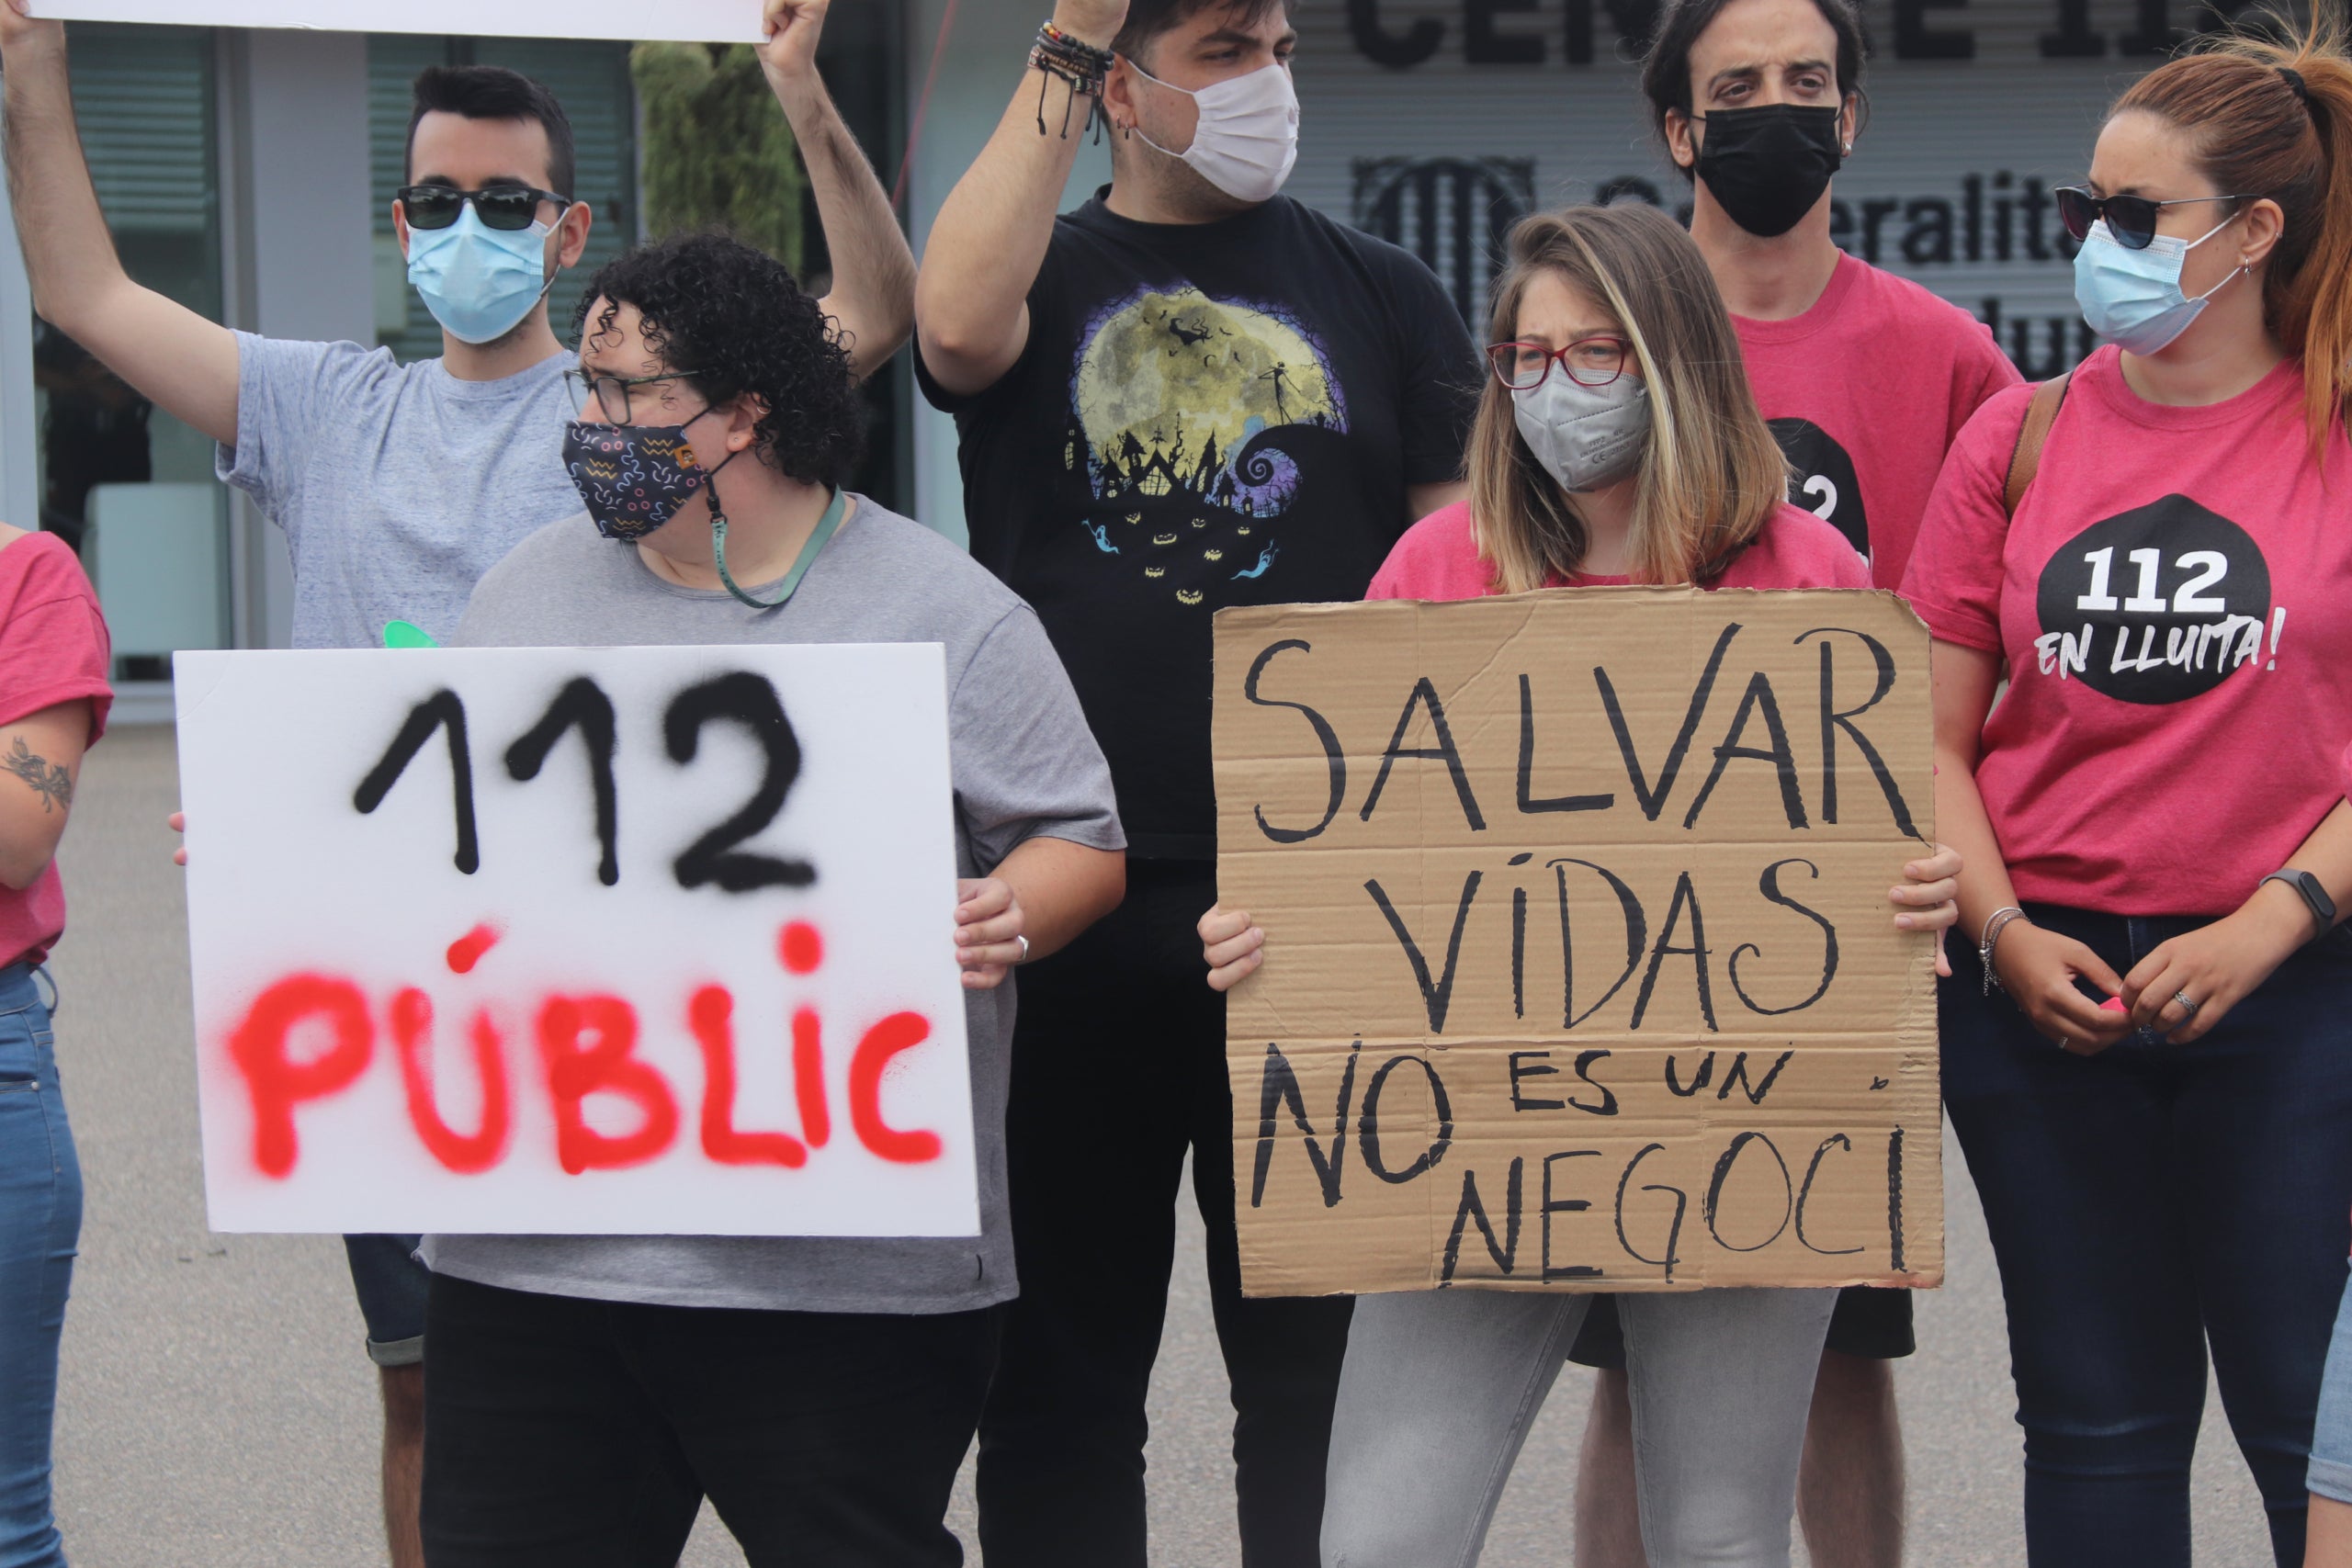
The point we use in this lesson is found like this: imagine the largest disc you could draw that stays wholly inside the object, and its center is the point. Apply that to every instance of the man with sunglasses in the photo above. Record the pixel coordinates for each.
(400, 485)
(1866, 379)
(1193, 392)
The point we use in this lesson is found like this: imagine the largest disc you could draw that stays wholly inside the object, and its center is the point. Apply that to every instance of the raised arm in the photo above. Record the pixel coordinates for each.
(972, 297)
(178, 360)
(873, 273)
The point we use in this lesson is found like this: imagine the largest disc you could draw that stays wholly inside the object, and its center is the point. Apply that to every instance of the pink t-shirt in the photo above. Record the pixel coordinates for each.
(2175, 602)
(53, 649)
(1436, 559)
(1866, 392)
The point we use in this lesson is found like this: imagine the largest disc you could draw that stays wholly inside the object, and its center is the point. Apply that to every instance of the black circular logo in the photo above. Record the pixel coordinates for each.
(2157, 605)
(1822, 480)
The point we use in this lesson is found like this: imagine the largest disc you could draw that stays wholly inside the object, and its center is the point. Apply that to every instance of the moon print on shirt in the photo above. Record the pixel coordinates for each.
(1197, 422)
(2157, 605)
(1822, 480)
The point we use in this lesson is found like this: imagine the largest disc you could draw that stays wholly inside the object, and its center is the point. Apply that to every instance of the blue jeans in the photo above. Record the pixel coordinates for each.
(2147, 1203)
(2331, 1471)
(40, 1217)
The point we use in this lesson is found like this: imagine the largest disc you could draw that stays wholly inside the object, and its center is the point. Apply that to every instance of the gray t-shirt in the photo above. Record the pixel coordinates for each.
(1022, 764)
(398, 485)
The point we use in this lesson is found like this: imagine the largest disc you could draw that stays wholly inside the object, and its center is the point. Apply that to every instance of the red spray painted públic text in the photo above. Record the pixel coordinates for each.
(586, 1046)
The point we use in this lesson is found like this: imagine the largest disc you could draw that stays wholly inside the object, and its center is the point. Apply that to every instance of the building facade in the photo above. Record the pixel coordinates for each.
(250, 175)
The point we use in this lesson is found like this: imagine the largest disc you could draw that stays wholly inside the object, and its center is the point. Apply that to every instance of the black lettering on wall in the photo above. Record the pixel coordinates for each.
(1673, 1231)
(1528, 803)
(1770, 885)
(1277, 1090)
(750, 700)
(1437, 994)
(1384, 47)
(1684, 893)
(1914, 39)
(1483, 43)
(1471, 1209)
(1723, 1173)
(1552, 1206)
(2076, 38)
(1334, 759)
(581, 706)
(1425, 695)
(1654, 800)
(1805, 1194)
(1835, 720)
(1758, 698)
(1638, 932)
(1368, 1125)
(443, 710)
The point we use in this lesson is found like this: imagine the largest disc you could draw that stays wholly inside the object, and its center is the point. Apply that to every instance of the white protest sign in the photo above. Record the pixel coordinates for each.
(613, 941)
(688, 21)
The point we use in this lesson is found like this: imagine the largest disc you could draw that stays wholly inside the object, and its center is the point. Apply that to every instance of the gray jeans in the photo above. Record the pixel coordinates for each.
(1441, 1387)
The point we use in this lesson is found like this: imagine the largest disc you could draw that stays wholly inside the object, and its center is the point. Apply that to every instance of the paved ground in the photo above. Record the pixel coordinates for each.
(218, 1413)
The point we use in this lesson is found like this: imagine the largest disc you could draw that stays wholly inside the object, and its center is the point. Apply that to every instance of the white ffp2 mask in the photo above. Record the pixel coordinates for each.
(1247, 138)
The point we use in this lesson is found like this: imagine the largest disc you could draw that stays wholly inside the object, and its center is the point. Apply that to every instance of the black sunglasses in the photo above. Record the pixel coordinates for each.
(2131, 218)
(506, 207)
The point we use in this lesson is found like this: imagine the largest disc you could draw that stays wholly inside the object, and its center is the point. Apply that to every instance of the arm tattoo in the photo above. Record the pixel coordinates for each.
(50, 780)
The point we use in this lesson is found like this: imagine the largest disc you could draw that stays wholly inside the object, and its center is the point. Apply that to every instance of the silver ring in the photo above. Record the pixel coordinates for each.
(2185, 1005)
(1024, 949)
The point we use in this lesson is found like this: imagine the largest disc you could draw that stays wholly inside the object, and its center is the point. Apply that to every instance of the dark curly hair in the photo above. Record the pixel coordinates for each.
(735, 319)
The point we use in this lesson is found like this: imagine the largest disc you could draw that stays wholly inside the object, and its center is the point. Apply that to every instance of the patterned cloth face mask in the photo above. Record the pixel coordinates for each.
(634, 478)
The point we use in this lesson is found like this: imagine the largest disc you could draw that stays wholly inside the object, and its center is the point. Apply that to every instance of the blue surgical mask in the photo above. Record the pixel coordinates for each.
(480, 282)
(2133, 298)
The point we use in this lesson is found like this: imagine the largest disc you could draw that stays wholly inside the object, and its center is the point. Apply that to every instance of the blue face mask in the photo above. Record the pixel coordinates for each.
(2133, 298)
(478, 282)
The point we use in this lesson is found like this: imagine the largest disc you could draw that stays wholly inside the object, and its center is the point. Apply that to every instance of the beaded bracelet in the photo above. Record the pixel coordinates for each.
(1075, 62)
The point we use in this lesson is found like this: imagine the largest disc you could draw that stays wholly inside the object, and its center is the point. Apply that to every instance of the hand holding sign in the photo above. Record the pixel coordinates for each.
(20, 30)
(789, 51)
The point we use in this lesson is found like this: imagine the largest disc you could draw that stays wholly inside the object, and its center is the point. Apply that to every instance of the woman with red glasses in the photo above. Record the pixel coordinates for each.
(1617, 442)
(2147, 1037)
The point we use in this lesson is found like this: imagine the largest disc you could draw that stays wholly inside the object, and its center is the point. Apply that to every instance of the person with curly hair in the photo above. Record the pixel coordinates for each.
(589, 1391)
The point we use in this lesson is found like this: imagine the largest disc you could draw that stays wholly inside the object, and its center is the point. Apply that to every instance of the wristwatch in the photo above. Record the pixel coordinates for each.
(2323, 908)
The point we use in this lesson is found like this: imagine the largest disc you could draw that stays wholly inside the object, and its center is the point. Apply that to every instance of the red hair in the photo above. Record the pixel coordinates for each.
(2272, 116)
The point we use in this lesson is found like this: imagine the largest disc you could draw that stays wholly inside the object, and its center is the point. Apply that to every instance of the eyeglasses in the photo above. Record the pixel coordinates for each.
(611, 392)
(506, 207)
(1590, 362)
(2131, 218)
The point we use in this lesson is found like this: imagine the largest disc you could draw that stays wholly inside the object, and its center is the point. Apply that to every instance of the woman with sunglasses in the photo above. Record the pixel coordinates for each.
(2147, 1037)
(1617, 442)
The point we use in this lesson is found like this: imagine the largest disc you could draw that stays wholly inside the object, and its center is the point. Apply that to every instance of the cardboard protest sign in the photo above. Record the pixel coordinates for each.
(1580, 970)
(685, 21)
(634, 940)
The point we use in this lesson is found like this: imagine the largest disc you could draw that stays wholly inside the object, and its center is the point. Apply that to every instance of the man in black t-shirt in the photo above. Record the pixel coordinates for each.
(1191, 392)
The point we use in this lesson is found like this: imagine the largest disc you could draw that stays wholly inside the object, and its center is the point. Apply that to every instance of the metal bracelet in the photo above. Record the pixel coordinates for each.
(1995, 925)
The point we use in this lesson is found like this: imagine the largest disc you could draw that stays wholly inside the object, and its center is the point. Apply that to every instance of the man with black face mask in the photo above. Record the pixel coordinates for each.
(1191, 392)
(398, 485)
(1866, 379)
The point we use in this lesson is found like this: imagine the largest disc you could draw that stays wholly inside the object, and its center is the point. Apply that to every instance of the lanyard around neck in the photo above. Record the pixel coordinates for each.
(834, 512)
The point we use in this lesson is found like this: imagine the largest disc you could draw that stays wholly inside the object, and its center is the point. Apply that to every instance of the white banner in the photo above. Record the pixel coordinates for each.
(690, 21)
(621, 941)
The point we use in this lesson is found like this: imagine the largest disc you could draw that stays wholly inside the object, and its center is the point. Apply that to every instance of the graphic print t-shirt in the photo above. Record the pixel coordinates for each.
(1866, 392)
(1205, 415)
(2175, 602)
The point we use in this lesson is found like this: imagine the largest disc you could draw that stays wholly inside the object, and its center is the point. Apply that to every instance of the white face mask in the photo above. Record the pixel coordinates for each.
(1247, 138)
(1586, 437)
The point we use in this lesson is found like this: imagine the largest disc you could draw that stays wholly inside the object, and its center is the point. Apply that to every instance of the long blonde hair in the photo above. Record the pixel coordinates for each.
(1710, 474)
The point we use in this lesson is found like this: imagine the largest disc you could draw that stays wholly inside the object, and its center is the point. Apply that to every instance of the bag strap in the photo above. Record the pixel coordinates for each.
(2025, 461)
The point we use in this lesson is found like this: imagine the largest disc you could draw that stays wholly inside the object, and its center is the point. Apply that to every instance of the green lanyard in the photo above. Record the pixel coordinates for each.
(831, 519)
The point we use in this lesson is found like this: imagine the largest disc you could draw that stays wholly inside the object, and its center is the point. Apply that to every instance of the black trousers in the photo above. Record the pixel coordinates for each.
(1118, 1068)
(563, 1433)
